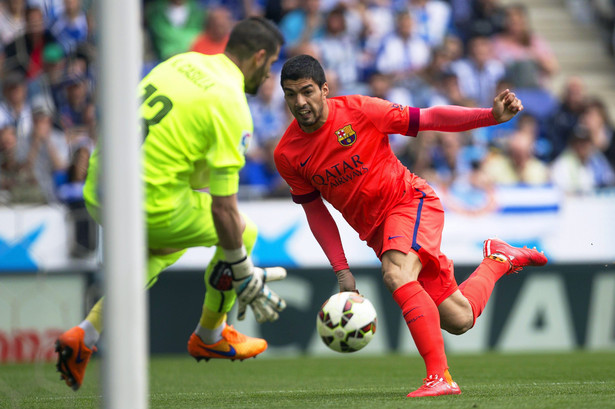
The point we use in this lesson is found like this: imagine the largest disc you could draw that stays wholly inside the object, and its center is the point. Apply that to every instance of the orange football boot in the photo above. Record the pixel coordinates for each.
(73, 356)
(233, 345)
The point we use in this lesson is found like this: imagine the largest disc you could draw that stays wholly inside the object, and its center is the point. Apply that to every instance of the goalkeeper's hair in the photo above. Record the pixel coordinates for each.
(254, 34)
(303, 67)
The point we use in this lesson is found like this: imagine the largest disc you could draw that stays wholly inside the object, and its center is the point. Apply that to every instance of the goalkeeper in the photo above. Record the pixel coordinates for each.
(197, 125)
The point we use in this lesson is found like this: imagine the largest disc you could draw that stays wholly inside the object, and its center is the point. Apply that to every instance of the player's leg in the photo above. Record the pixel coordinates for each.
(75, 346)
(410, 255)
(193, 226)
(400, 272)
(213, 337)
(460, 311)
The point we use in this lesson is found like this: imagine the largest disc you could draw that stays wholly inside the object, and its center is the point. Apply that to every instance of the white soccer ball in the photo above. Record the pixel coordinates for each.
(346, 322)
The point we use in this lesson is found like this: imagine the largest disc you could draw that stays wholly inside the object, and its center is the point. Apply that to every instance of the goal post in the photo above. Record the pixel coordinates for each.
(124, 363)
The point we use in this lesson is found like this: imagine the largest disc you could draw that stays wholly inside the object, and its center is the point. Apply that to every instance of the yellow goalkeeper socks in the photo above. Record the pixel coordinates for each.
(92, 325)
(210, 326)
(96, 316)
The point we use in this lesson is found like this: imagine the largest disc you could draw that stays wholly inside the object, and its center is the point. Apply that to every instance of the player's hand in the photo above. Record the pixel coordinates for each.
(249, 284)
(505, 106)
(345, 279)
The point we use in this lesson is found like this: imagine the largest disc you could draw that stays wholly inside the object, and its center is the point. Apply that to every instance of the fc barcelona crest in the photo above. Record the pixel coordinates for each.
(346, 136)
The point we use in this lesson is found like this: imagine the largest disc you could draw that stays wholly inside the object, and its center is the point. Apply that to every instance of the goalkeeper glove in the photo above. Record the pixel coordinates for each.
(249, 284)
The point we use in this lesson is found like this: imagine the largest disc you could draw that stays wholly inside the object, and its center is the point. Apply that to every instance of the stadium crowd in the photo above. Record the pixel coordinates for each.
(411, 52)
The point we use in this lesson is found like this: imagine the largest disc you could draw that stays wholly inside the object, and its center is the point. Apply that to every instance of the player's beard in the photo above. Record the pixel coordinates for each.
(316, 113)
(254, 82)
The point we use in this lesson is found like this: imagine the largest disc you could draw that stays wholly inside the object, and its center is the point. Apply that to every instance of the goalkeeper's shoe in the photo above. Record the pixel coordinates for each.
(436, 385)
(233, 345)
(73, 357)
(516, 257)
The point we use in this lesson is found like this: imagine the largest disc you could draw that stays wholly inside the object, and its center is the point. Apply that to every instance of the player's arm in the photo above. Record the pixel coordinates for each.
(225, 159)
(452, 118)
(227, 220)
(326, 233)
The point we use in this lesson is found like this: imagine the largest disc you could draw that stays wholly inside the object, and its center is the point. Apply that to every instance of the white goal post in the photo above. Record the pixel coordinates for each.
(125, 380)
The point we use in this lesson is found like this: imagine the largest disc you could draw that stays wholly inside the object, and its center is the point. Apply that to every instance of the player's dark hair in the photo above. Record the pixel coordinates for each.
(303, 67)
(254, 34)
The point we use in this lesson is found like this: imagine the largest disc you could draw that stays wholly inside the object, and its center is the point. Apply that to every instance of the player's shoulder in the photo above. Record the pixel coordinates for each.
(290, 142)
(353, 101)
(348, 100)
(292, 132)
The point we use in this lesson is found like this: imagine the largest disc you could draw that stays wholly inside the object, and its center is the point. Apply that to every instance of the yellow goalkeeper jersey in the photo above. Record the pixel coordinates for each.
(196, 128)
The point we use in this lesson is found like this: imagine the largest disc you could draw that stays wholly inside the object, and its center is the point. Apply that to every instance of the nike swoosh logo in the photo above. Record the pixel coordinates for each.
(78, 359)
(306, 161)
(394, 237)
(230, 352)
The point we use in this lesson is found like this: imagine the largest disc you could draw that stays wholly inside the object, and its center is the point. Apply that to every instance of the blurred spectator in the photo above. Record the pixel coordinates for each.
(595, 119)
(17, 179)
(51, 9)
(74, 110)
(71, 27)
(274, 10)
(378, 19)
(451, 90)
(240, 9)
(402, 53)
(76, 98)
(339, 51)
(214, 37)
(479, 73)
(566, 116)
(25, 51)
(381, 86)
(301, 25)
(581, 167)
(599, 12)
(270, 115)
(173, 25)
(49, 151)
(445, 158)
(454, 47)
(471, 193)
(517, 164)
(15, 110)
(269, 112)
(70, 192)
(261, 179)
(427, 86)
(50, 81)
(70, 184)
(529, 60)
(432, 20)
(12, 20)
(486, 18)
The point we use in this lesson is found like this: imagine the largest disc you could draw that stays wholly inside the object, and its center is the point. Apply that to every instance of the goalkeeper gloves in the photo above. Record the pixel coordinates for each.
(249, 284)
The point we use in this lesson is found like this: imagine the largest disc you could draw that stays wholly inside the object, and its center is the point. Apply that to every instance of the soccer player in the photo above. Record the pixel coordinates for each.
(197, 125)
(338, 149)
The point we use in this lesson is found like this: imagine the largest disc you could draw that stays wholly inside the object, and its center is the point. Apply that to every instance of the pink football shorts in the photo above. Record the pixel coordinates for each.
(416, 224)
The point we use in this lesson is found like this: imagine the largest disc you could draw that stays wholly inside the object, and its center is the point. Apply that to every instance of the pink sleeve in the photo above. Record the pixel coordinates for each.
(326, 233)
(389, 117)
(453, 118)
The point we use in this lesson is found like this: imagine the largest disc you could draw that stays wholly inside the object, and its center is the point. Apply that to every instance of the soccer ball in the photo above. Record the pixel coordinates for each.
(346, 322)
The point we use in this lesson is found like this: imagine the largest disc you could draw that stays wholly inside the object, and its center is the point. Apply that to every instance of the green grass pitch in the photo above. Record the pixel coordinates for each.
(491, 381)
